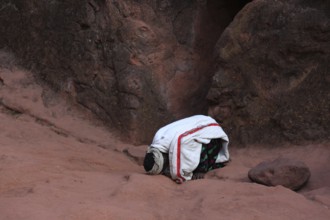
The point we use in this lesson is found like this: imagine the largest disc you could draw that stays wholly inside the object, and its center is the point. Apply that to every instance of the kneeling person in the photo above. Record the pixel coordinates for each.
(187, 149)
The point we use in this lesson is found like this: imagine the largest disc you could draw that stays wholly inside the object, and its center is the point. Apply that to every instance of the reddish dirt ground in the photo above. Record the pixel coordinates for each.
(56, 162)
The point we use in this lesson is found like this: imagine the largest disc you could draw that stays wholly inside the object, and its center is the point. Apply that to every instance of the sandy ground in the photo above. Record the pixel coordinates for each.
(58, 163)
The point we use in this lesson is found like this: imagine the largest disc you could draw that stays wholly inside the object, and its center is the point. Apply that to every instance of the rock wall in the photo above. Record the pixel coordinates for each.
(138, 65)
(272, 80)
(135, 64)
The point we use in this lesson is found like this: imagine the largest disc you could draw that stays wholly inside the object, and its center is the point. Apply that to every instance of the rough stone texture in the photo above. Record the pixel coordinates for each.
(286, 172)
(272, 81)
(135, 64)
(140, 64)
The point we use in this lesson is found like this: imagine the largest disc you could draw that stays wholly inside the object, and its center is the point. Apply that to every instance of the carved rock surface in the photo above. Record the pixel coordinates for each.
(138, 65)
(289, 173)
(272, 82)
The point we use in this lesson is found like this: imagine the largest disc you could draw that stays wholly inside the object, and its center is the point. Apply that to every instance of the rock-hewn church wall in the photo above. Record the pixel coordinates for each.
(261, 68)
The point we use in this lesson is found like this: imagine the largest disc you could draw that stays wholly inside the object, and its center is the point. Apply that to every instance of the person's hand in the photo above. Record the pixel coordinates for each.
(198, 175)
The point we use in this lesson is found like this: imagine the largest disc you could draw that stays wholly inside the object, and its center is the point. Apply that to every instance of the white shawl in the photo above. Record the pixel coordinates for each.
(183, 139)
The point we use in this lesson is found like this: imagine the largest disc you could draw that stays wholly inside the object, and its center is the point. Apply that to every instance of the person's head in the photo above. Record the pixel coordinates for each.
(154, 161)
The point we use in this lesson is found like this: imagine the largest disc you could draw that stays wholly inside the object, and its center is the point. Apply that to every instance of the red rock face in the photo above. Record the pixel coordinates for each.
(138, 65)
(271, 84)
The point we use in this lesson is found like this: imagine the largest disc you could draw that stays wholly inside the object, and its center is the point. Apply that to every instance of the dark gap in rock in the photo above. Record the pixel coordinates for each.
(214, 17)
(84, 26)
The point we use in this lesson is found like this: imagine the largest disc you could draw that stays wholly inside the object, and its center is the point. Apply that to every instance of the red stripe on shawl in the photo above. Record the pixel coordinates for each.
(178, 159)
